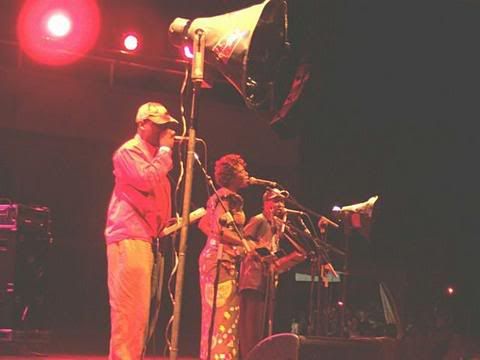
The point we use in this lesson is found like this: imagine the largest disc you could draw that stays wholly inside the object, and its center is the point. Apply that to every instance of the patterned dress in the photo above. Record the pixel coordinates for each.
(217, 255)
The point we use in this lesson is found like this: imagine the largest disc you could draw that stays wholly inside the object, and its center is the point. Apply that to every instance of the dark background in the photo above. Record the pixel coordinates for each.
(391, 109)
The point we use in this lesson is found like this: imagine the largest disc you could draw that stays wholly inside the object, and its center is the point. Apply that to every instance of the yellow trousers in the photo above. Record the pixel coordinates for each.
(130, 264)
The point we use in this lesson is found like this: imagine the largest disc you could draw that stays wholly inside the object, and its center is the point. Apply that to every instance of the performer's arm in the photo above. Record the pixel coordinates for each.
(252, 228)
(132, 168)
(204, 225)
(223, 220)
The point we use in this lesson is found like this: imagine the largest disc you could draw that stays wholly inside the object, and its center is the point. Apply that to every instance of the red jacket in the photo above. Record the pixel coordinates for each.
(140, 203)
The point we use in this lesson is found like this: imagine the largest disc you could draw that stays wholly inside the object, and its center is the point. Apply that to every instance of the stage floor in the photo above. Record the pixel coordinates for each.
(75, 357)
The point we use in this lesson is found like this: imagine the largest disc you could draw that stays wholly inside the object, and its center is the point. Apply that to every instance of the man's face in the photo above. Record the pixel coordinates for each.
(157, 135)
(240, 180)
(166, 137)
(273, 207)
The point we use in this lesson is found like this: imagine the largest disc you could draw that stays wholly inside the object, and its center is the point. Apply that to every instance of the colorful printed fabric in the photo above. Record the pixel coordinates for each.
(220, 319)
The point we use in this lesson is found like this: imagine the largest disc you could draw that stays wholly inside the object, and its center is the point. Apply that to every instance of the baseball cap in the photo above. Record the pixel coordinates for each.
(155, 112)
(275, 193)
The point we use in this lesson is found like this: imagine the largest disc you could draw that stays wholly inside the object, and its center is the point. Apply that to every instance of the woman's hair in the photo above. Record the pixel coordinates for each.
(227, 167)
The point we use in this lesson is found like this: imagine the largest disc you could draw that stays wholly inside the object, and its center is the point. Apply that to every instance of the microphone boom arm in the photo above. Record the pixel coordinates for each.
(293, 201)
(319, 244)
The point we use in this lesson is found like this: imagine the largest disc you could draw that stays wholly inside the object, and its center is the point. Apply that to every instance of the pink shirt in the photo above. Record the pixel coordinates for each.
(140, 203)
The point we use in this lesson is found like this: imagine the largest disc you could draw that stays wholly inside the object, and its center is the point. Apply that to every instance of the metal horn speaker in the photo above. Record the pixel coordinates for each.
(251, 49)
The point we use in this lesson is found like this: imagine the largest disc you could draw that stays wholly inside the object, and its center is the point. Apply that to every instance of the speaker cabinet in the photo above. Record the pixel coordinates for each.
(293, 347)
(25, 241)
(7, 274)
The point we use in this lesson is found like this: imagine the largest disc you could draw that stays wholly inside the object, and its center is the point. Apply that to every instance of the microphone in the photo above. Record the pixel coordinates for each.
(305, 227)
(326, 221)
(184, 138)
(291, 211)
(261, 182)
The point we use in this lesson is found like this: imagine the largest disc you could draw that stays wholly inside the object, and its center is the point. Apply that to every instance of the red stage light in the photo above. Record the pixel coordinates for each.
(59, 24)
(450, 290)
(58, 32)
(130, 42)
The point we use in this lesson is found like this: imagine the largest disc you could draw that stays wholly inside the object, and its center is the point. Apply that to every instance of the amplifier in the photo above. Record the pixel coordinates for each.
(29, 217)
(8, 216)
(14, 342)
(288, 346)
(25, 242)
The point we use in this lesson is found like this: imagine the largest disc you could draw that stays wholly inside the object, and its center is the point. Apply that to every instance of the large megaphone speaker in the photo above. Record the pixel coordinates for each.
(365, 207)
(251, 49)
(358, 216)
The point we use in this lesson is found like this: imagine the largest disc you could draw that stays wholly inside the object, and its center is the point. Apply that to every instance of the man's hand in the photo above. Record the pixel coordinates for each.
(167, 138)
(252, 245)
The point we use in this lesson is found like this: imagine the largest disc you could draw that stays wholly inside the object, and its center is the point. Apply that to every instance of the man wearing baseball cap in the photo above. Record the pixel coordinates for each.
(254, 273)
(139, 209)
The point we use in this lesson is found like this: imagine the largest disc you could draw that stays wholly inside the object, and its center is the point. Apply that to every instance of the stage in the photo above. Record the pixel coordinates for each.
(74, 357)
(281, 346)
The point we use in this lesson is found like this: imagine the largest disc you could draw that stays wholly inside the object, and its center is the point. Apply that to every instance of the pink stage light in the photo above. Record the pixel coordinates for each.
(130, 42)
(59, 25)
(58, 32)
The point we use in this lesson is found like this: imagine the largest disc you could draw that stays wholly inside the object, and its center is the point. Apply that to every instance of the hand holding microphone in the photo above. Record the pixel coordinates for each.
(167, 138)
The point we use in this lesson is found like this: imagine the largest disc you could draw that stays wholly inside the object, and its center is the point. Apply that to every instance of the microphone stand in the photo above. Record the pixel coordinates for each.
(294, 201)
(321, 320)
(270, 288)
(197, 78)
(315, 240)
(269, 298)
(318, 257)
(219, 255)
(344, 285)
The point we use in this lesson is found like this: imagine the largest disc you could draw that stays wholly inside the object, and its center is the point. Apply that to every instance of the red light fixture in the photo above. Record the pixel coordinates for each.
(58, 32)
(59, 24)
(131, 42)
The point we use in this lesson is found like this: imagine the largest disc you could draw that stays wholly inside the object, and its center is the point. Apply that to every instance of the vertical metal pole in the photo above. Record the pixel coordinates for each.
(344, 286)
(271, 289)
(197, 78)
(177, 307)
(314, 263)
